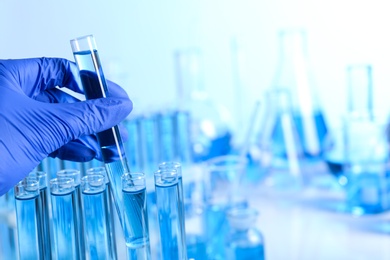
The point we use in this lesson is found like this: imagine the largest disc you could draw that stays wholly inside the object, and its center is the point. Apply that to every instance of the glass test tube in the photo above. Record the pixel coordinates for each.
(75, 175)
(95, 86)
(62, 193)
(97, 233)
(135, 216)
(28, 219)
(44, 208)
(177, 167)
(109, 210)
(170, 217)
(166, 136)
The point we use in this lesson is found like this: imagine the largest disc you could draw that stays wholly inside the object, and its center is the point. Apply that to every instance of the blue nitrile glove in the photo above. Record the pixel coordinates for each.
(37, 119)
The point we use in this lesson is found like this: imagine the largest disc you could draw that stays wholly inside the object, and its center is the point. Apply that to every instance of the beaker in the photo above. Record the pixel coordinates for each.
(294, 73)
(223, 191)
(359, 108)
(210, 128)
(358, 158)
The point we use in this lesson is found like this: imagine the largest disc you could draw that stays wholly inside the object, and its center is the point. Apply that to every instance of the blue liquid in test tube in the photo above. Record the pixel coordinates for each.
(110, 141)
(44, 209)
(97, 236)
(108, 207)
(177, 167)
(28, 218)
(62, 193)
(173, 245)
(78, 222)
(135, 216)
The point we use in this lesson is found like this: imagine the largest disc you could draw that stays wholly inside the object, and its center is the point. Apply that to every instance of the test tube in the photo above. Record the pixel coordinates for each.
(64, 217)
(166, 136)
(97, 233)
(95, 86)
(182, 125)
(28, 219)
(44, 209)
(109, 210)
(75, 175)
(170, 217)
(177, 167)
(135, 216)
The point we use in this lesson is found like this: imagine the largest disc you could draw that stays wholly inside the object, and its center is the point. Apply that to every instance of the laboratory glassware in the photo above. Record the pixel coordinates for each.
(147, 125)
(166, 136)
(358, 155)
(95, 218)
(169, 206)
(136, 216)
(210, 121)
(293, 73)
(133, 143)
(29, 219)
(95, 86)
(8, 233)
(359, 105)
(78, 222)
(182, 132)
(244, 240)
(108, 207)
(279, 142)
(44, 211)
(170, 165)
(64, 217)
(223, 191)
(194, 218)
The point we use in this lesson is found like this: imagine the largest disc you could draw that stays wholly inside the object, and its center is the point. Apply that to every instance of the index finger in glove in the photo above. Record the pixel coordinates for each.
(36, 75)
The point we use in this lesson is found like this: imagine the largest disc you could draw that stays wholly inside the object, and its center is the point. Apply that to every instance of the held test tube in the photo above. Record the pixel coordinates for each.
(95, 86)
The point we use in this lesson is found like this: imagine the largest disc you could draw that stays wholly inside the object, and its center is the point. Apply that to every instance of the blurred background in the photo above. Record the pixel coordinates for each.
(241, 52)
(139, 38)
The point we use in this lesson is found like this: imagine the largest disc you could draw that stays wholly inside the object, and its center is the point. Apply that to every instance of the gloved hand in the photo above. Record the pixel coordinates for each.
(37, 119)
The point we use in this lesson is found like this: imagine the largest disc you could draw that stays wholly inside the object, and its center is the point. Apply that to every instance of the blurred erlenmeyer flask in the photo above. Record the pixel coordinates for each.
(293, 73)
(280, 142)
(210, 130)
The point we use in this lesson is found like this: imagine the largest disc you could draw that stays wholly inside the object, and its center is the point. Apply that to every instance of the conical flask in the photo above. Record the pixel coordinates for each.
(293, 73)
(210, 129)
(279, 141)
